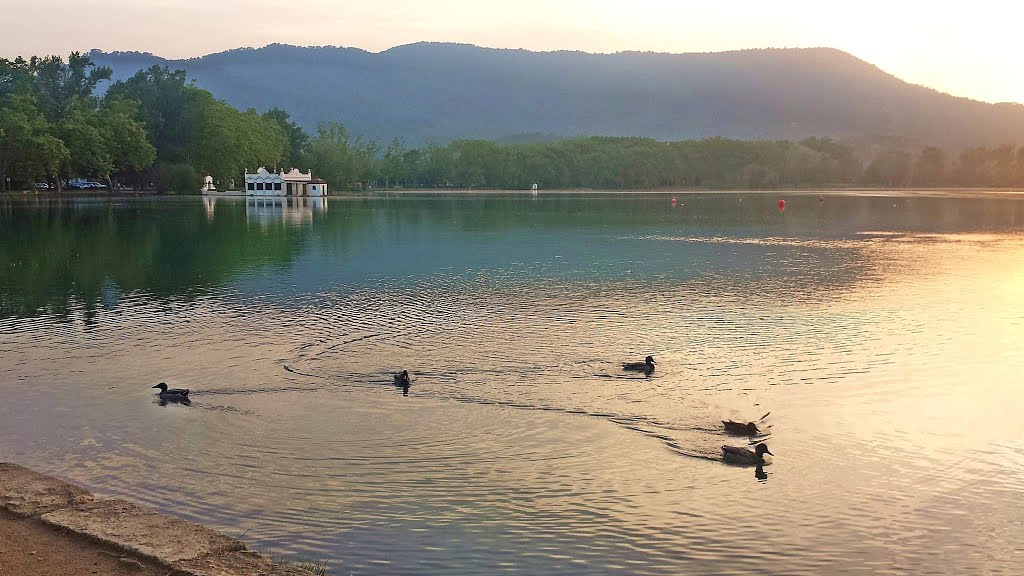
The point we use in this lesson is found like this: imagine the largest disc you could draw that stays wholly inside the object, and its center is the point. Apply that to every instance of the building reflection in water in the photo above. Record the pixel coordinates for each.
(295, 210)
(211, 205)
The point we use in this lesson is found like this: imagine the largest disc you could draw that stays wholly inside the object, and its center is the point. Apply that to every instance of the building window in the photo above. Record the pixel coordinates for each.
(277, 185)
(259, 185)
(250, 186)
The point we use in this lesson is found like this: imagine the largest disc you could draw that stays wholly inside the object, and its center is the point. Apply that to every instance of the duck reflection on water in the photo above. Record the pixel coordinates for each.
(165, 402)
(760, 474)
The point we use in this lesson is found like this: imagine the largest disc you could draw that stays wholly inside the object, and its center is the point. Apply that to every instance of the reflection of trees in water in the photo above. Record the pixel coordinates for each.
(735, 213)
(58, 253)
(734, 242)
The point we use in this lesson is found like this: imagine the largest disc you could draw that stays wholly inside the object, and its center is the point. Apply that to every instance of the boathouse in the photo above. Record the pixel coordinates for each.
(293, 183)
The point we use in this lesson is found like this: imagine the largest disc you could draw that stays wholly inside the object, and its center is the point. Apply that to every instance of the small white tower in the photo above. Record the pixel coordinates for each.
(208, 185)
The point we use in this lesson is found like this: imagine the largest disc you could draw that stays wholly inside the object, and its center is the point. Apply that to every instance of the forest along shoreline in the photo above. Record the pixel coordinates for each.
(158, 131)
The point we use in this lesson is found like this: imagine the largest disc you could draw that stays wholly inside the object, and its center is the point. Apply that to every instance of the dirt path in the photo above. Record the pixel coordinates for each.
(30, 548)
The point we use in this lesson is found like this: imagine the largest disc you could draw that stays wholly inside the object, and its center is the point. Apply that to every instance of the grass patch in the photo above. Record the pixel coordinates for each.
(315, 568)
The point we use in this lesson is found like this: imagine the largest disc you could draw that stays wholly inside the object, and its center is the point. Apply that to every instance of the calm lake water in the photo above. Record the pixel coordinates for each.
(883, 334)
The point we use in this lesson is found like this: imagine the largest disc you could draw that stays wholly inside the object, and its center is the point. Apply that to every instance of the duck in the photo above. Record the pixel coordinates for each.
(646, 366)
(748, 429)
(737, 455)
(403, 381)
(176, 394)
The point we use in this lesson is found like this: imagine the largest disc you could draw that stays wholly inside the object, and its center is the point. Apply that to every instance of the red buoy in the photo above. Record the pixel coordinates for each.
(782, 204)
(673, 200)
(821, 199)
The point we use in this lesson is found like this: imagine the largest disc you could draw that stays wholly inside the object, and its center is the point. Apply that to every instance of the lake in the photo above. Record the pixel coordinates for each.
(883, 334)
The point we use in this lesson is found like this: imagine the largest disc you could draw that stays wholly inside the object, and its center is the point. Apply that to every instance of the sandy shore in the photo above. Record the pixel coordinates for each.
(51, 527)
(32, 548)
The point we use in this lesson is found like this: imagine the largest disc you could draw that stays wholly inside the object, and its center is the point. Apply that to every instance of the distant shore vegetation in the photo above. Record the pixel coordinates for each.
(158, 131)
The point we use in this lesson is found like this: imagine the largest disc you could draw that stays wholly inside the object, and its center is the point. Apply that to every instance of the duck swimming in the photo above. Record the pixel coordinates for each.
(739, 428)
(646, 366)
(403, 381)
(737, 455)
(175, 394)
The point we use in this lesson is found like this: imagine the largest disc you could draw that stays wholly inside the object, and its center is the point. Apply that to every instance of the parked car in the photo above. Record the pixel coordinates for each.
(42, 185)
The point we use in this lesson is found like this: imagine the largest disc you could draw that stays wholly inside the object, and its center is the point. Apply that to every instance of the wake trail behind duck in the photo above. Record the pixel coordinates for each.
(704, 441)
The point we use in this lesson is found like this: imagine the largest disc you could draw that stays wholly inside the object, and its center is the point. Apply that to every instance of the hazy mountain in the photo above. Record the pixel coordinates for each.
(437, 92)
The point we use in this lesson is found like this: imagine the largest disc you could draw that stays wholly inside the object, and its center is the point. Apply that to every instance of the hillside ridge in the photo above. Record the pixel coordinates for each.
(437, 91)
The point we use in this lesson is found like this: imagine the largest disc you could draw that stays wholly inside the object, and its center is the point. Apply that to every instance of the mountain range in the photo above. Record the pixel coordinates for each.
(431, 92)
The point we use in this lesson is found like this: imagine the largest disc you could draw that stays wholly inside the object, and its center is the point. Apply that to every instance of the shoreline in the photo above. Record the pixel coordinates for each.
(61, 528)
(898, 192)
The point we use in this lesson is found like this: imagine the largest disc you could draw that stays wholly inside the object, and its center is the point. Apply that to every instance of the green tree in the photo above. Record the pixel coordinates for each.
(930, 168)
(1019, 177)
(226, 142)
(297, 137)
(840, 164)
(339, 158)
(124, 138)
(28, 148)
(81, 131)
(890, 168)
(61, 86)
(16, 77)
(163, 98)
(974, 167)
(392, 169)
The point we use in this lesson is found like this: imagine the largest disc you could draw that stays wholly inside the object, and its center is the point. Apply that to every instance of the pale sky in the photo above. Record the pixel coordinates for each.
(965, 48)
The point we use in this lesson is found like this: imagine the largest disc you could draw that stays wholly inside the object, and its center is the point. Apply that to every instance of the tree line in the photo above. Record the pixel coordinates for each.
(713, 163)
(153, 130)
(53, 126)
(157, 130)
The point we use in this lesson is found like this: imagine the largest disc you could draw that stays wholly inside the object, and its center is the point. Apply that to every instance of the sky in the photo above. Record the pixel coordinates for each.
(964, 48)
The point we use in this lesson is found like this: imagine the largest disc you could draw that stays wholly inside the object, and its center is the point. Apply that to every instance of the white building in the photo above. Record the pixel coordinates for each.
(316, 187)
(294, 183)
